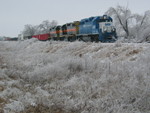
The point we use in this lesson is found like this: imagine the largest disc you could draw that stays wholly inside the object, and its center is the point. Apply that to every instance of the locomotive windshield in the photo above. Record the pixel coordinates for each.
(105, 20)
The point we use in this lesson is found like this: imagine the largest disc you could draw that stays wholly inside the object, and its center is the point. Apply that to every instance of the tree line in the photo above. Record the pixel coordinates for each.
(132, 27)
(42, 28)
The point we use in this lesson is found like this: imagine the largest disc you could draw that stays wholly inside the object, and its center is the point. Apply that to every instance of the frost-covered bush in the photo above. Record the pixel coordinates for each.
(11, 93)
(75, 77)
(15, 106)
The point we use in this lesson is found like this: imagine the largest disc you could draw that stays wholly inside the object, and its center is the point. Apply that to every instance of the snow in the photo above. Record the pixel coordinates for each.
(74, 77)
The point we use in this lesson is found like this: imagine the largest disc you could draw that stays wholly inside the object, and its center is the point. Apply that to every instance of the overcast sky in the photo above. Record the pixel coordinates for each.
(14, 14)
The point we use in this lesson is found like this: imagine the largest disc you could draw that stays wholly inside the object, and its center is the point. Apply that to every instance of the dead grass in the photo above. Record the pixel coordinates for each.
(133, 52)
(44, 109)
(2, 104)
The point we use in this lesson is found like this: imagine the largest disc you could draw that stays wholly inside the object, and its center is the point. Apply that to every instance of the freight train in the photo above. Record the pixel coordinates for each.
(98, 28)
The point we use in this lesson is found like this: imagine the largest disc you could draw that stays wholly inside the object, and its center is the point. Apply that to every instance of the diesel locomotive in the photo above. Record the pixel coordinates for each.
(98, 28)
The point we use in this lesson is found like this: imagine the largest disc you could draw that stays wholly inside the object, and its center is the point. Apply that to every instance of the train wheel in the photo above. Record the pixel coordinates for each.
(96, 39)
(65, 38)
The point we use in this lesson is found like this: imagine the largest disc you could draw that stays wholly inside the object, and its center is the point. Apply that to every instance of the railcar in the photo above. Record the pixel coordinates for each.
(55, 32)
(70, 31)
(42, 37)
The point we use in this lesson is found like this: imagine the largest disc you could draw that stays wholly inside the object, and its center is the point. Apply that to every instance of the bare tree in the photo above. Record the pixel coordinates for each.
(46, 25)
(29, 30)
(122, 16)
(142, 27)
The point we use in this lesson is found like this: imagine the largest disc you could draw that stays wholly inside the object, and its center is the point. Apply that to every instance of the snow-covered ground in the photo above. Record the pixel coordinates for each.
(77, 77)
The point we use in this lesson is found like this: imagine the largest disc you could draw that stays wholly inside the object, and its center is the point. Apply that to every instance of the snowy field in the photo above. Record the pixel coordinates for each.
(78, 77)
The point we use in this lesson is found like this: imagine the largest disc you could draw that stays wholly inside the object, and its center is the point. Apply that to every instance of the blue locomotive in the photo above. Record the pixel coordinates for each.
(98, 28)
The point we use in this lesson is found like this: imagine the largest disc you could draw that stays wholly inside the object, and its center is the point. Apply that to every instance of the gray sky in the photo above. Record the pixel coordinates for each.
(14, 14)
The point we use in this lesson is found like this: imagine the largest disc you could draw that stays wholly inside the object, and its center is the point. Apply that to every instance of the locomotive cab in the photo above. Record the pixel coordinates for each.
(107, 29)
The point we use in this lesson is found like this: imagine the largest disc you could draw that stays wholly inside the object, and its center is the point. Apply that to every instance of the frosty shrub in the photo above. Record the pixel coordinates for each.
(14, 107)
(78, 77)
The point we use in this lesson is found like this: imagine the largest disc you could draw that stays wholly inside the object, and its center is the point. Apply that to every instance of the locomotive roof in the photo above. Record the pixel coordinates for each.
(96, 18)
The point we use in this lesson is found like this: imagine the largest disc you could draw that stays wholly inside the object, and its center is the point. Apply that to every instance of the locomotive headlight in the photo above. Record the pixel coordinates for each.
(105, 29)
(105, 17)
(113, 29)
